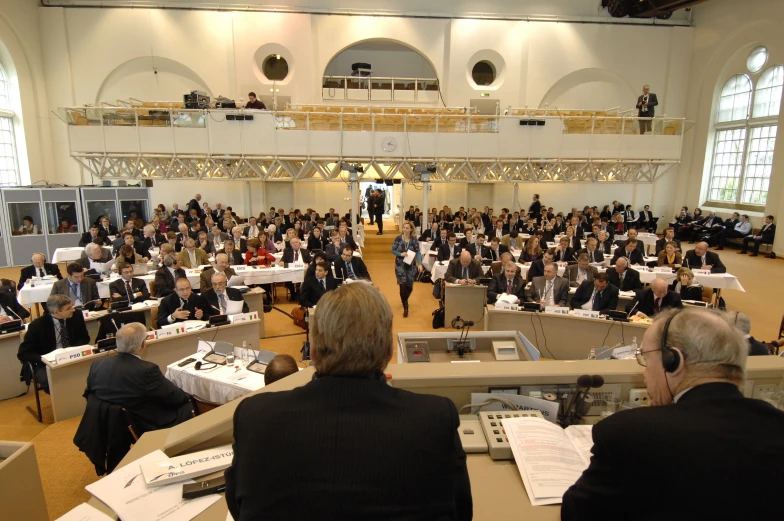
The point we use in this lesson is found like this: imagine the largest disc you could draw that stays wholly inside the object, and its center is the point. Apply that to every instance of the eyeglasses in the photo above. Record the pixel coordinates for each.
(641, 359)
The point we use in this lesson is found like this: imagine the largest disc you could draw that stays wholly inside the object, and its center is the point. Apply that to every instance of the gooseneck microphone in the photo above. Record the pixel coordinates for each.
(580, 404)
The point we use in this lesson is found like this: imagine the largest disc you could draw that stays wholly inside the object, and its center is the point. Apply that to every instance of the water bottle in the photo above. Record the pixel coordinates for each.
(634, 344)
(245, 355)
(592, 356)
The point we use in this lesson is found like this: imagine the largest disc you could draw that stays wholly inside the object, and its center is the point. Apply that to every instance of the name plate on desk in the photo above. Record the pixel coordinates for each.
(640, 268)
(586, 313)
(297, 265)
(169, 331)
(556, 310)
(182, 468)
(506, 306)
(662, 269)
(702, 272)
(72, 353)
(243, 317)
(46, 281)
(240, 268)
(193, 271)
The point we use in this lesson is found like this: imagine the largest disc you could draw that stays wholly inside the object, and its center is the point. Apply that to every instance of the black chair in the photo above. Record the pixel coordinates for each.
(37, 414)
(201, 406)
(107, 322)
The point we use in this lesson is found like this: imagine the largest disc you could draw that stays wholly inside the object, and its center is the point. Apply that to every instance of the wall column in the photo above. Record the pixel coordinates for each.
(425, 209)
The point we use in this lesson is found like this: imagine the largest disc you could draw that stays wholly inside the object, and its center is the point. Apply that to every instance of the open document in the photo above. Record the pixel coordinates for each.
(550, 459)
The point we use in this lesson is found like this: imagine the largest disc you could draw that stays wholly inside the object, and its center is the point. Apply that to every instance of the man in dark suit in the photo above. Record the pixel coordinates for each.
(370, 199)
(59, 328)
(314, 287)
(694, 366)
(295, 253)
(372, 425)
(478, 250)
(138, 385)
(183, 305)
(632, 236)
(219, 294)
(549, 289)
(107, 228)
(90, 236)
(229, 248)
(194, 204)
(630, 252)
(645, 220)
(95, 258)
(596, 295)
(450, 250)
(127, 288)
(351, 267)
(535, 209)
(378, 210)
(629, 218)
(669, 236)
(217, 213)
(508, 282)
(167, 275)
(536, 269)
(651, 301)
(594, 254)
(623, 277)
(766, 235)
(10, 309)
(82, 291)
(701, 259)
(576, 274)
(604, 243)
(128, 239)
(151, 239)
(646, 108)
(39, 268)
(431, 234)
(497, 249)
(564, 252)
(464, 270)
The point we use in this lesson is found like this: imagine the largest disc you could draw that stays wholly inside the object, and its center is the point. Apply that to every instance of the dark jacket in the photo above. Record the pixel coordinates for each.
(631, 281)
(499, 285)
(693, 292)
(311, 290)
(87, 238)
(12, 307)
(331, 449)
(118, 286)
(645, 301)
(472, 249)
(288, 255)
(41, 339)
(28, 272)
(211, 298)
(692, 261)
(691, 453)
(454, 271)
(357, 265)
(103, 434)
(635, 257)
(164, 281)
(444, 255)
(608, 301)
(596, 256)
(235, 257)
(171, 303)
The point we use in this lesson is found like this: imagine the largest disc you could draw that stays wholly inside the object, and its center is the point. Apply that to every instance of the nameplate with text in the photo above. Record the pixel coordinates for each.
(662, 269)
(640, 268)
(585, 313)
(181, 468)
(73, 353)
(244, 317)
(702, 272)
(506, 306)
(238, 268)
(170, 331)
(556, 310)
(152, 335)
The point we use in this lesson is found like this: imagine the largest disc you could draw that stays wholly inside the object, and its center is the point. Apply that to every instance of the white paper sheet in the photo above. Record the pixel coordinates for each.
(410, 256)
(547, 460)
(234, 307)
(236, 280)
(125, 492)
(84, 512)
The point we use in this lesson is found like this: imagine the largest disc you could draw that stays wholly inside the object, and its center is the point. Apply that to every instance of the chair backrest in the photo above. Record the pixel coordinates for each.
(129, 420)
(201, 406)
(152, 288)
(496, 268)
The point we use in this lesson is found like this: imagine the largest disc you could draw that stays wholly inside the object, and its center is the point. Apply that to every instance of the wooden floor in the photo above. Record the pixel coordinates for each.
(762, 302)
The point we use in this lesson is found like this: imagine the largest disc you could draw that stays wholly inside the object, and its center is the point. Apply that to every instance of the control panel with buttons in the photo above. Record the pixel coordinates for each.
(493, 425)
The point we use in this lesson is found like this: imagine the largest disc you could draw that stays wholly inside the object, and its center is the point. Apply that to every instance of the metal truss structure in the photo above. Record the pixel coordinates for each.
(160, 167)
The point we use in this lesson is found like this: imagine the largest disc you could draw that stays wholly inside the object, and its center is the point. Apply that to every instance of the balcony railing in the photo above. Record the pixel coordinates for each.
(378, 88)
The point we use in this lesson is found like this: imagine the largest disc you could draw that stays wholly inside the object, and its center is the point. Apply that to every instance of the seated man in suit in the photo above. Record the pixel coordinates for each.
(591, 249)
(82, 291)
(536, 269)
(38, 268)
(596, 295)
(441, 239)
(630, 252)
(127, 238)
(576, 274)
(192, 257)
(766, 235)
(166, 276)
(183, 305)
(221, 266)
(645, 220)
(652, 300)
(450, 250)
(350, 357)
(669, 236)
(604, 243)
(295, 254)
(230, 249)
(90, 236)
(508, 282)
(497, 249)
(632, 236)
(345, 236)
(96, 258)
(478, 250)
(742, 323)
(695, 365)
(314, 287)
(465, 270)
(279, 368)
(217, 238)
(549, 289)
(350, 267)
(513, 241)
(138, 385)
(623, 277)
(10, 309)
(701, 259)
(152, 239)
(563, 252)
(219, 294)
(127, 288)
(60, 327)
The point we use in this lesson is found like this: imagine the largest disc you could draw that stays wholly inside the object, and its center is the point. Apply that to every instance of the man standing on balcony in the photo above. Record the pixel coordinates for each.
(645, 107)
(254, 102)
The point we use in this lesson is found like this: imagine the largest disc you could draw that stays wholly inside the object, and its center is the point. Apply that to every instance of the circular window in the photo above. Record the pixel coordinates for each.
(483, 73)
(275, 67)
(757, 59)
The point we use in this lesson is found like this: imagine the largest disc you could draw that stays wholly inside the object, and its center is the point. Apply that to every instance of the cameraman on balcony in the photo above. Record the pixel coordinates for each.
(254, 102)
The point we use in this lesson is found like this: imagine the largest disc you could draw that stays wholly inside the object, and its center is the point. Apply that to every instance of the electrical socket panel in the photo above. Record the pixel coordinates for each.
(638, 397)
(759, 389)
(600, 394)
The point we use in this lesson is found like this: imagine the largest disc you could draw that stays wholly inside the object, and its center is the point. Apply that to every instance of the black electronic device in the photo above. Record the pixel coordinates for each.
(204, 488)
(224, 103)
(186, 362)
(532, 306)
(11, 326)
(620, 316)
(218, 320)
(262, 360)
(119, 306)
(196, 100)
(107, 344)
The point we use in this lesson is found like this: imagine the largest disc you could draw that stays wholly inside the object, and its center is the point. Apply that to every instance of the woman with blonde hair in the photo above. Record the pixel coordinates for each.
(406, 273)
(669, 257)
(685, 286)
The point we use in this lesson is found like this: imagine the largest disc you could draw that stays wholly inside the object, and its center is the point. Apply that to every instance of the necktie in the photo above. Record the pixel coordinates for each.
(40, 272)
(152, 241)
(323, 286)
(465, 273)
(128, 290)
(620, 279)
(296, 256)
(64, 340)
(580, 276)
(597, 297)
(703, 260)
(658, 305)
(350, 271)
(74, 291)
(549, 292)
(222, 302)
(509, 286)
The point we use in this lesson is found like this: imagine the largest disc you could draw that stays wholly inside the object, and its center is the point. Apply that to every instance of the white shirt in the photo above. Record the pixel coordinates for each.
(589, 305)
(192, 257)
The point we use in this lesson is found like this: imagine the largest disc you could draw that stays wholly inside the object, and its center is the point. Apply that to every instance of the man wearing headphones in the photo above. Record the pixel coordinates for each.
(38, 268)
(700, 437)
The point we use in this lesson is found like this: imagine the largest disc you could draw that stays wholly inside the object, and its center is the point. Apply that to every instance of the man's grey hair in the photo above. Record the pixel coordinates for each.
(738, 320)
(272, 228)
(235, 229)
(712, 348)
(130, 337)
(57, 302)
(149, 228)
(91, 248)
(221, 256)
(170, 259)
(646, 86)
(218, 274)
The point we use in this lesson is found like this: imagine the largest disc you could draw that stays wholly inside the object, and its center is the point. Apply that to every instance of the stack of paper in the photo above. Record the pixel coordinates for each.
(550, 459)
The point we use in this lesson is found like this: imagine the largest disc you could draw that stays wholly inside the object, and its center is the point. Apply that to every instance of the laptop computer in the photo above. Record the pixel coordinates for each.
(140, 269)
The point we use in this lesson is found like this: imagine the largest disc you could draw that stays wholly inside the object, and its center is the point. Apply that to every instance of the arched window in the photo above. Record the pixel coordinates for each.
(745, 134)
(9, 166)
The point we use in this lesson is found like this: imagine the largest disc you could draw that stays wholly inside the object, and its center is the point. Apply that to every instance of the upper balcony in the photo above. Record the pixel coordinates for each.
(381, 134)
(380, 89)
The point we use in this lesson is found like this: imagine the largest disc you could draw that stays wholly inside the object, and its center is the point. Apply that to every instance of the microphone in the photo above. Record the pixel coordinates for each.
(115, 324)
(633, 308)
(8, 308)
(576, 409)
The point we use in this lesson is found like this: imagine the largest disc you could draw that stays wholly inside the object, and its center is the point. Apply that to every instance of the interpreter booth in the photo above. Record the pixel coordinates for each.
(116, 202)
(39, 220)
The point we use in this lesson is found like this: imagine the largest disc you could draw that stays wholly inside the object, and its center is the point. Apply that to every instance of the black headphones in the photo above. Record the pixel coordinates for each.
(671, 360)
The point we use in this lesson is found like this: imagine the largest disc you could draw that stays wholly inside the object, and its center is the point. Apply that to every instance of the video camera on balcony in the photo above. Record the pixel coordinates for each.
(196, 100)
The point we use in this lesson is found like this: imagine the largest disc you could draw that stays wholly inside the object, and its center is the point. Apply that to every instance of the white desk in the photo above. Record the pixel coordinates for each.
(71, 254)
(714, 280)
(439, 270)
(30, 294)
(221, 384)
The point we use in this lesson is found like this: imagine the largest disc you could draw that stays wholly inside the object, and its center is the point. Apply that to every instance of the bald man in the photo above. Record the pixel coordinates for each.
(463, 270)
(651, 301)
